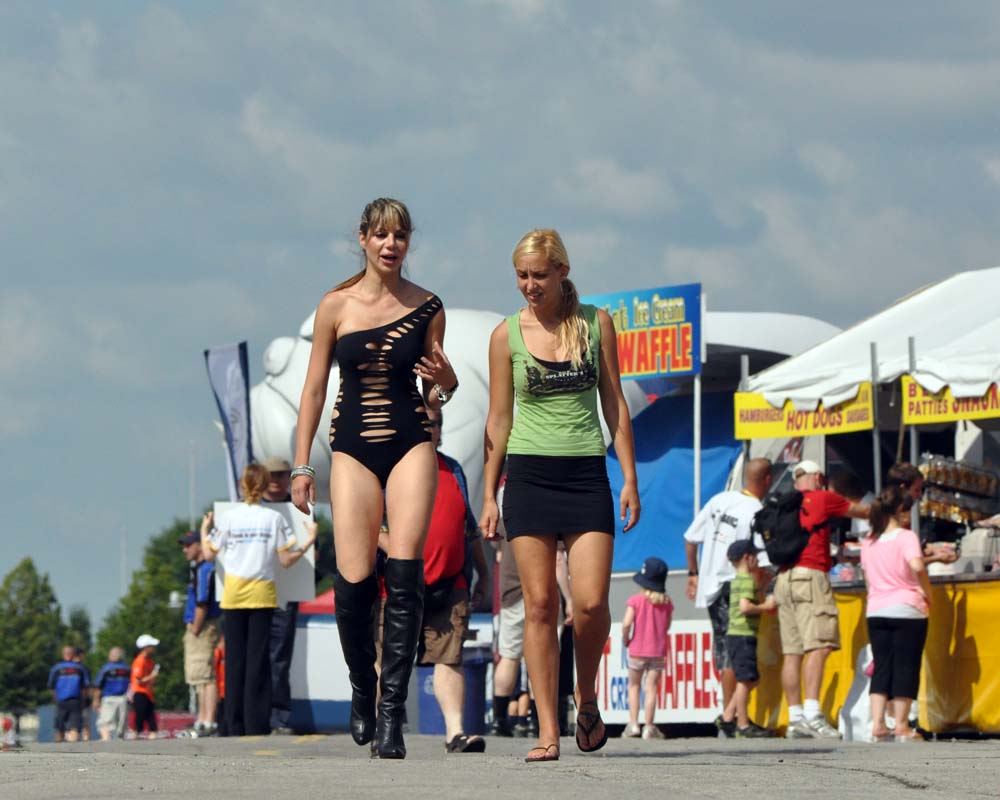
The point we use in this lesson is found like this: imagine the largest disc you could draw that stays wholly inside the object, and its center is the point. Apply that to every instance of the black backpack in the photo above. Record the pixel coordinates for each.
(779, 525)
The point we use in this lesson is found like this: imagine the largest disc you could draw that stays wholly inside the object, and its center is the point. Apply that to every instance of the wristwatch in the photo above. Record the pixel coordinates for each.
(692, 573)
(444, 395)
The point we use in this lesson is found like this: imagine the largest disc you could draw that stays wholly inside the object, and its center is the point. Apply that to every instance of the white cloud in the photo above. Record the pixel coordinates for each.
(829, 163)
(602, 184)
(992, 168)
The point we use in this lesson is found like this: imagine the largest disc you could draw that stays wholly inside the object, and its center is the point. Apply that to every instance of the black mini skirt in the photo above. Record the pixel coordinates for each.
(557, 496)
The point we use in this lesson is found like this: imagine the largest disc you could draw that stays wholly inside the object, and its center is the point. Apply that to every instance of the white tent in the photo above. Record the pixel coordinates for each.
(955, 328)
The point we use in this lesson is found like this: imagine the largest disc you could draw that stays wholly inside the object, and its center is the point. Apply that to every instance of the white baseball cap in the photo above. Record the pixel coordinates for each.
(807, 467)
(146, 641)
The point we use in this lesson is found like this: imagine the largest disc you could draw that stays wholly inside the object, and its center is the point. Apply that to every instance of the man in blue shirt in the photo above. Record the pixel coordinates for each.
(202, 616)
(112, 687)
(68, 679)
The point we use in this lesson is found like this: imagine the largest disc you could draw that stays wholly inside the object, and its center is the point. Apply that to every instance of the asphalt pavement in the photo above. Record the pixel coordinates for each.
(300, 767)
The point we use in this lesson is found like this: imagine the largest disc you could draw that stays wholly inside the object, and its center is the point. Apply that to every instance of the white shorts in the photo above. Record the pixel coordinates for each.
(113, 715)
(510, 640)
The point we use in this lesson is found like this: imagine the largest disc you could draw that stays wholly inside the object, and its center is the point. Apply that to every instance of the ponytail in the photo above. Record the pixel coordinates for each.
(254, 482)
(573, 334)
(892, 501)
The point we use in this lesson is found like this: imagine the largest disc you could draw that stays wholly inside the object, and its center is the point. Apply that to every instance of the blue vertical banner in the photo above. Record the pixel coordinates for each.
(659, 330)
(229, 375)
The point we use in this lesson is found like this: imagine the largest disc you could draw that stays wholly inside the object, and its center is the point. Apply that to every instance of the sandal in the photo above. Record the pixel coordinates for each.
(460, 743)
(587, 721)
(548, 752)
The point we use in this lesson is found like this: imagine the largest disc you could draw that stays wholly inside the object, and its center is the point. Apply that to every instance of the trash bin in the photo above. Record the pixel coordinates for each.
(475, 660)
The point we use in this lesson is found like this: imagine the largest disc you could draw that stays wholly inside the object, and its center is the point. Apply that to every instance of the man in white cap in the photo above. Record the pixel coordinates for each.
(807, 611)
(283, 621)
(725, 519)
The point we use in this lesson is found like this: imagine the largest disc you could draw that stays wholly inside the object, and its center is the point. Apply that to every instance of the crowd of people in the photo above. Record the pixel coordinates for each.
(731, 576)
(408, 546)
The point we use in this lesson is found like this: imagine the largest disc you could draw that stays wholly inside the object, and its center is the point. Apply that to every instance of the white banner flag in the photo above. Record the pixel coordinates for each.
(230, 378)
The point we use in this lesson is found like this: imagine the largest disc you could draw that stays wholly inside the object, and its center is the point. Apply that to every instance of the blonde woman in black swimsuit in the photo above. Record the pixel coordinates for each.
(384, 332)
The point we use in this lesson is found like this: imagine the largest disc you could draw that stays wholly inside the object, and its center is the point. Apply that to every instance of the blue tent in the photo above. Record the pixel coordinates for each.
(664, 451)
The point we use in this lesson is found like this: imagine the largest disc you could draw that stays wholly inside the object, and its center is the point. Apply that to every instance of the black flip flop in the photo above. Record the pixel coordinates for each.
(461, 743)
(587, 727)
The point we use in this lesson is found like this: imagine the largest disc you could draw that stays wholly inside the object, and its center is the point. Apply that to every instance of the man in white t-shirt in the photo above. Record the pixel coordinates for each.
(724, 519)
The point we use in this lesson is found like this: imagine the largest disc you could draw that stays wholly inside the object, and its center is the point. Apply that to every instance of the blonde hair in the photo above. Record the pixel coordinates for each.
(254, 482)
(656, 598)
(379, 213)
(573, 334)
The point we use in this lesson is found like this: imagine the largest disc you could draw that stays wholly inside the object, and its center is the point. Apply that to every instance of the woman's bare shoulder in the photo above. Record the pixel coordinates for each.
(417, 295)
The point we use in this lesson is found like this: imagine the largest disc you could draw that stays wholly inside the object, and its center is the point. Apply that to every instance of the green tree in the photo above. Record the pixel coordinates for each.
(326, 559)
(78, 631)
(31, 631)
(146, 608)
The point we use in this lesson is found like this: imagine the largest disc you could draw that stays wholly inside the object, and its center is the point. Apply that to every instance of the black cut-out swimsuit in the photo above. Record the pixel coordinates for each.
(379, 415)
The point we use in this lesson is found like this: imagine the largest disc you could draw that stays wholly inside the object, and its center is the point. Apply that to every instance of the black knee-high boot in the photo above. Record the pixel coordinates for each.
(402, 621)
(355, 608)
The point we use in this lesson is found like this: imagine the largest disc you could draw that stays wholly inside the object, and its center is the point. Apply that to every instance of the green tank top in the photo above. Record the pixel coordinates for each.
(556, 408)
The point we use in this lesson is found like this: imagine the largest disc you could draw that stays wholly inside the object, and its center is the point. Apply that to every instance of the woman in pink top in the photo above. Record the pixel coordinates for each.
(644, 634)
(899, 596)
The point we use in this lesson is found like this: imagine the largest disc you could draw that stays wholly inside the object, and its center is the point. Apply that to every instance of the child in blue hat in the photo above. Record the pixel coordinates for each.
(644, 634)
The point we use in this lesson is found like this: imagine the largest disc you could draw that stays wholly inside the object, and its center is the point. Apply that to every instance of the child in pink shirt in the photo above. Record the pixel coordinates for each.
(644, 634)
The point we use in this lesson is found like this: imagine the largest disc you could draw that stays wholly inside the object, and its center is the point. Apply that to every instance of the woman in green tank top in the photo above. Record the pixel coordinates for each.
(558, 358)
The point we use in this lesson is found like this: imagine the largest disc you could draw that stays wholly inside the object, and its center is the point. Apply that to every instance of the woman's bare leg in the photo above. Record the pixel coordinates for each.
(356, 504)
(536, 565)
(590, 578)
(409, 501)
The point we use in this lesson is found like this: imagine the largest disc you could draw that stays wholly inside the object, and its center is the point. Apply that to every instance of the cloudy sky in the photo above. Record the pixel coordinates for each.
(183, 174)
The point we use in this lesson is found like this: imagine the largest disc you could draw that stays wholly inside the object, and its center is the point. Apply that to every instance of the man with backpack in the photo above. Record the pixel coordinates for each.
(807, 611)
(725, 519)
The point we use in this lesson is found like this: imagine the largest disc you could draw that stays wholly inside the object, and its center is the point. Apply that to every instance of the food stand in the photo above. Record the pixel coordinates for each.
(952, 386)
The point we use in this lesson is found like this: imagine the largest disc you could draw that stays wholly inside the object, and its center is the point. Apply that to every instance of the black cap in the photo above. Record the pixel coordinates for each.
(189, 538)
(740, 548)
(653, 574)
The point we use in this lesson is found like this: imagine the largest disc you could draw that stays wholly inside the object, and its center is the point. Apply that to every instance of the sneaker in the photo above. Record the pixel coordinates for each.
(651, 732)
(800, 729)
(753, 731)
(632, 732)
(502, 727)
(823, 729)
(727, 730)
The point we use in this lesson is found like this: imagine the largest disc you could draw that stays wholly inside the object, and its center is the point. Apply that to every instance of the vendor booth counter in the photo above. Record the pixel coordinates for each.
(960, 679)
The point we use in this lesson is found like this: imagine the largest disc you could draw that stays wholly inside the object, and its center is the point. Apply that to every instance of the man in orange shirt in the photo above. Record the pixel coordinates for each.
(145, 671)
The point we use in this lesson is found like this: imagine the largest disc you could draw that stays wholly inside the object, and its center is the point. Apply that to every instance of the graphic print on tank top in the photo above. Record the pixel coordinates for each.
(560, 377)
(379, 414)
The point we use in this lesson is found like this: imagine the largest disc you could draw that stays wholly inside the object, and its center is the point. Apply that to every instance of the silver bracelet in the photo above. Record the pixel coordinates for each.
(303, 469)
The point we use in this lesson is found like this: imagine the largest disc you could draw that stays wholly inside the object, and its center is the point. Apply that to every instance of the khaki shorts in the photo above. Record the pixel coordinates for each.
(444, 631)
(510, 639)
(113, 715)
(807, 611)
(198, 653)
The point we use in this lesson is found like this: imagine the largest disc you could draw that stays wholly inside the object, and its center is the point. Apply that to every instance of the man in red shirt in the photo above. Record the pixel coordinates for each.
(453, 529)
(807, 611)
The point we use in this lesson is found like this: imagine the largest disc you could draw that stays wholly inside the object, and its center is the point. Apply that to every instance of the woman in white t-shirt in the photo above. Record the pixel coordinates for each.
(899, 597)
(250, 540)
